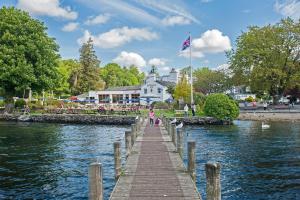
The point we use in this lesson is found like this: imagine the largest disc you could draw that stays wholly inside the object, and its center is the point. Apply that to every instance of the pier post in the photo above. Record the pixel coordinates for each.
(95, 181)
(117, 157)
(137, 125)
(127, 142)
(213, 183)
(179, 142)
(132, 134)
(173, 134)
(191, 159)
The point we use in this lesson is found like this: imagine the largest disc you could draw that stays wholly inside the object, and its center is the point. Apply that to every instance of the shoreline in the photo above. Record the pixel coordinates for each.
(270, 116)
(98, 119)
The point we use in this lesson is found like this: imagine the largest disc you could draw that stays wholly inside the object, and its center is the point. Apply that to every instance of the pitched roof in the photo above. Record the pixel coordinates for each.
(124, 88)
(166, 83)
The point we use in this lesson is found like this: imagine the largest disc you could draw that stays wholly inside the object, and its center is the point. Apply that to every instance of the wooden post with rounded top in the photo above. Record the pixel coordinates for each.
(117, 157)
(191, 159)
(95, 181)
(213, 183)
(173, 134)
(127, 142)
(179, 142)
(132, 134)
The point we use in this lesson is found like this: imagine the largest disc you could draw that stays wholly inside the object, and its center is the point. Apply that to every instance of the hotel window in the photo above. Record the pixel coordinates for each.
(145, 91)
(159, 90)
(103, 98)
(135, 98)
(117, 98)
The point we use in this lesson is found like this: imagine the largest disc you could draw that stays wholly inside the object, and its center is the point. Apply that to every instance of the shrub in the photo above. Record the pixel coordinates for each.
(35, 105)
(20, 103)
(54, 103)
(2, 103)
(249, 99)
(160, 105)
(221, 107)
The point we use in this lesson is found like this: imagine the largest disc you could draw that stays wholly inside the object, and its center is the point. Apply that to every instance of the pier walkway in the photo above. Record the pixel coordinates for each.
(154, 170)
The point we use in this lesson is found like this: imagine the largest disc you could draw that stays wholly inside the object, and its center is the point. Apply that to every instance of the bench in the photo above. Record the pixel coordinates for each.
(179, 113)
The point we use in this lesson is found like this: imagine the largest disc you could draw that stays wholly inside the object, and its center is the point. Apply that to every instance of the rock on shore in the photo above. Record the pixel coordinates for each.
(270, 116)
(71, 118)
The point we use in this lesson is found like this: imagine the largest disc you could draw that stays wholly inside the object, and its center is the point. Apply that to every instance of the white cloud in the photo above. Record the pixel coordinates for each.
(157, 62)
(130, 58)
(164, 69)
(143, 11)
(72, 26)
(50, 8)
(118, 36)
(195, 53)
(206, 1)
(288, 8)
(212, 41)
(175, 20)
(174, 7)
(100, 19)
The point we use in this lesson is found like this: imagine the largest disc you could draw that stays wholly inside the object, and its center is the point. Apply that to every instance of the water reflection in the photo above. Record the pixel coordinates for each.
(256, 163)
(50, 161)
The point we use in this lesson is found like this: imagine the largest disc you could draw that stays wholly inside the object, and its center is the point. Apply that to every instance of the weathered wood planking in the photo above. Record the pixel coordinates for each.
(154, 170)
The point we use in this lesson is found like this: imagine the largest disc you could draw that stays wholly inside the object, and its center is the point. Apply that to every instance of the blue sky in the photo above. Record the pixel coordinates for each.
(147, 32)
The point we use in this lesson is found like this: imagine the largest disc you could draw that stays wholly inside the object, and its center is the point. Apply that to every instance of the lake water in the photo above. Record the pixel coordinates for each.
(50, 161)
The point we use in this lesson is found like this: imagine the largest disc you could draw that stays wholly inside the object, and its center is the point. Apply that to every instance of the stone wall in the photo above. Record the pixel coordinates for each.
(70, 118)
(100, 119)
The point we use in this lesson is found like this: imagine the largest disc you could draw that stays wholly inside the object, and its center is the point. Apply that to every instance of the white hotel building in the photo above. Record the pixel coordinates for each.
(153, 89)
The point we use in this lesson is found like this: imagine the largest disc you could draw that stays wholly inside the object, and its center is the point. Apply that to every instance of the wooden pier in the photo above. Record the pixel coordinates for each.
(154, 168)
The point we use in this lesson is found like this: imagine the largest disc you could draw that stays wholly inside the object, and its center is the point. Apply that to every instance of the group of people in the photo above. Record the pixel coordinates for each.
(186, 110)
(158, 120)
(152, 116)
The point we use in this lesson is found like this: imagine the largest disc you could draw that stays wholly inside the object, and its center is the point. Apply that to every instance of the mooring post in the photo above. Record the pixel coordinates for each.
(95, 181)
(191, 159)
(213, 183)
(127, 142)
(173, 134)
(136, 125)
(117, 155)
(132, 134)
(179, 142)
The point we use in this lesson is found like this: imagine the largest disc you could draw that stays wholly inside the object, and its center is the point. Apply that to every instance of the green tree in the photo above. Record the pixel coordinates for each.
(68, 72)
(221, 107)
(114, 75)
(209, 81)
(183, 90)
(28, 56)
(267, 58)
(89, 73)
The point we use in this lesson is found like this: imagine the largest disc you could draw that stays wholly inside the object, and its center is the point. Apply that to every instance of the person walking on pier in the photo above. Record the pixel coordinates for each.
(151, 116)
(193, 109)
(186, 110)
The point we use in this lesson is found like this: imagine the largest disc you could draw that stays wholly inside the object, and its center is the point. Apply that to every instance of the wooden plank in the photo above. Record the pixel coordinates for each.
(154, 170)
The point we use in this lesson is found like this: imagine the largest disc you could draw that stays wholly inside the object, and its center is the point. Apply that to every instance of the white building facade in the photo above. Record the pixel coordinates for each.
(152, 90)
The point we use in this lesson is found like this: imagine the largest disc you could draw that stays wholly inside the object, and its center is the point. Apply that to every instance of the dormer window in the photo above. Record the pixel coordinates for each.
(159, 90)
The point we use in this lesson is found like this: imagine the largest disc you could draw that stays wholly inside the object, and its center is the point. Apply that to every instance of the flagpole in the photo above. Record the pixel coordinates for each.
(191, 69)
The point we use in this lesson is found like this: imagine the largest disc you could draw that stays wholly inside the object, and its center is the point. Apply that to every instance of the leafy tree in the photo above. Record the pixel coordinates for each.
(171, 90)
(28, 56)
(183, 90)
(114, 75)
(267, 58)
(221, 107)
(64, 74)
(89, 73)
(209, 81)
